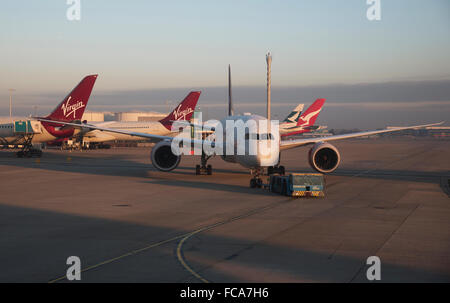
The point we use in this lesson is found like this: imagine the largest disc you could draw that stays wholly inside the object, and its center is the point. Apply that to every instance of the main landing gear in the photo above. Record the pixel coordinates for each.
(204, 169)
(28, 151)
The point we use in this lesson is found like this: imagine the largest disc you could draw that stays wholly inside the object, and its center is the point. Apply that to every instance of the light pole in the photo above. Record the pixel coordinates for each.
(11, 90)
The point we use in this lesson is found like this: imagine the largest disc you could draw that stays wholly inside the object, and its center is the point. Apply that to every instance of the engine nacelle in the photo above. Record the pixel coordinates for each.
(163, 158)
(324, 157)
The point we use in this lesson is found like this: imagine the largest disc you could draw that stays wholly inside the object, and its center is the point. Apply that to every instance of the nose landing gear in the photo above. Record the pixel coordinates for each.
(256, 181)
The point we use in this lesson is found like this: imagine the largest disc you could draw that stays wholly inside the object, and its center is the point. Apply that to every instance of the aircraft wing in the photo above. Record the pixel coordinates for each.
(155, 138)
(288, 144)
(90, 127)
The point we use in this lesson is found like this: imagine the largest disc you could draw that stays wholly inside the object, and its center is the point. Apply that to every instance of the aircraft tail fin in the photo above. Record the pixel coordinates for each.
(183, 111)
(308, 118)
(294, 115)
(73, 105)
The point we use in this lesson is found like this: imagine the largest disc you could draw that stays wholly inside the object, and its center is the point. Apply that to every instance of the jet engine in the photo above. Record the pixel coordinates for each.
(163, 158)
(324, 157)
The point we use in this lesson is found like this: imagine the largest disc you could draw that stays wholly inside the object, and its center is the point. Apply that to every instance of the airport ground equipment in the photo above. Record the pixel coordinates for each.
(26, 130)
(298, 185)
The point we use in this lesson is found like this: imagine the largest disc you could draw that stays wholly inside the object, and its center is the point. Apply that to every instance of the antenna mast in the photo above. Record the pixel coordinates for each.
(230, 98)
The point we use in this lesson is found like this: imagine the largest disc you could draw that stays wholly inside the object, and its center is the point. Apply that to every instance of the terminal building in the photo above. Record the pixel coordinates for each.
(133, 116)
(90, 116)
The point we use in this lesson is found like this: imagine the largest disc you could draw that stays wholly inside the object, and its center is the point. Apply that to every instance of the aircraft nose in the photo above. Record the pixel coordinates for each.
(254, 160)
(265, 159)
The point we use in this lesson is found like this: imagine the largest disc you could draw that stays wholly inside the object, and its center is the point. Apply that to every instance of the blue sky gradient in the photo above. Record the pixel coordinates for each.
(147, 45)
(156, 44)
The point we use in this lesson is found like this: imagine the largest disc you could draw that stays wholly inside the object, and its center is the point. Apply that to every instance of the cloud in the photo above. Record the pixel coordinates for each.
(374, 103)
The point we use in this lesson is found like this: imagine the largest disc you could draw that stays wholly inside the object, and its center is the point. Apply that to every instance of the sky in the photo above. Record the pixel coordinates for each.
(144, 46)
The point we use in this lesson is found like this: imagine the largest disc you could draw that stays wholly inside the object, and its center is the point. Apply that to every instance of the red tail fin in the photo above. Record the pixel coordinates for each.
(73, 105)
(308, 118)
(183, 111)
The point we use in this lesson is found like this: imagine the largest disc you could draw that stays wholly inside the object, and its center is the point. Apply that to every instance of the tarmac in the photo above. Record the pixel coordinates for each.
(128, 222)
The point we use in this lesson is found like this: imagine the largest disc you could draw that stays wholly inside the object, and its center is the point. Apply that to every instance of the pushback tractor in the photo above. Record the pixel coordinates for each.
(298, 185)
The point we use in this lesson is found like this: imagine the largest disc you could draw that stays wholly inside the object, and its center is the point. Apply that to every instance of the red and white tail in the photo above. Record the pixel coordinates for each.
(73, 105)
(308, 118)
(183, 111)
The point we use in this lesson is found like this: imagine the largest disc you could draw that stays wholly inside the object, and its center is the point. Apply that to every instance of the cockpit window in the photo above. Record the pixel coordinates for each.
(268, 136)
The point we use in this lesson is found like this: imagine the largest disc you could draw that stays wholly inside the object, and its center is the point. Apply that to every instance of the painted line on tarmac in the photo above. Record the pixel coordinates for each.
(183, 238)
(133, 252)
(186, 236)
(180, 255)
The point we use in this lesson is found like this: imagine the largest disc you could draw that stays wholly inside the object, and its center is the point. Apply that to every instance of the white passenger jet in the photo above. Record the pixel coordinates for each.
(163, 127)
(323, 157)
